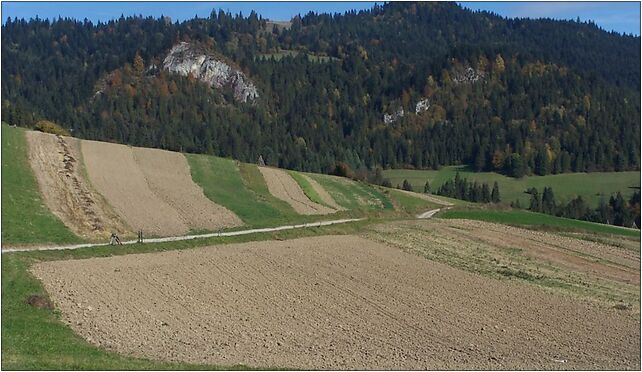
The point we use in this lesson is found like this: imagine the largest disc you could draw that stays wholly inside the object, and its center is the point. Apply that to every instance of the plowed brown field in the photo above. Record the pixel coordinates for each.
(58, 167)
(152, 189)
(284, 187)
(114, 173)
(333, 302)
(168, 176)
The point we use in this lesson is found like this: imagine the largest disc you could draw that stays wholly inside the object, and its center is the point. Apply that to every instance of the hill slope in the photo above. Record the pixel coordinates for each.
(420, 84)
(104, 188)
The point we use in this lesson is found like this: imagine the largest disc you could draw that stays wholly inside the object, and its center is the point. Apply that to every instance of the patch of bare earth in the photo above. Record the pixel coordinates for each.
(58, 166)
(332, 302)
(168, 176)
(323, 194)
(284, 187)
(114, 173)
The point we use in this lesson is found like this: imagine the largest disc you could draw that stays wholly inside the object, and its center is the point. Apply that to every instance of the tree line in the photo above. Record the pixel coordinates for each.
(616, 211)
(476, 192)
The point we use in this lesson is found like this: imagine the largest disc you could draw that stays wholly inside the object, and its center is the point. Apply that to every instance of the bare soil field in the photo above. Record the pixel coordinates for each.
(114, 172)
(331, 302)
(58, 167)
(152, 190)
(323, 194)
(599, 269)
(168, 176)
(284, 187)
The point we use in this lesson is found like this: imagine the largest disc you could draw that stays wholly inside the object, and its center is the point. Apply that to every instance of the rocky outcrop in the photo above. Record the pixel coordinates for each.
(391, 118)
(185, 59)
(467, 75)
(422, 105)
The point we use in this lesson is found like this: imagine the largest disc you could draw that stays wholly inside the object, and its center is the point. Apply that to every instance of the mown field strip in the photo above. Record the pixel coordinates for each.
(190, 237)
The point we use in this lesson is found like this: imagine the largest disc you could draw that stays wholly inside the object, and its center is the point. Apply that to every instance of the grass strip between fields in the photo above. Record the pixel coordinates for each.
(25, 218)
(526, 218)
(241, 188)
(353, 195)
(307, 188)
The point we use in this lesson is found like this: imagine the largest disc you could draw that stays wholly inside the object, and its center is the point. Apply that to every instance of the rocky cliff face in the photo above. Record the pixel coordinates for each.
(184, 59)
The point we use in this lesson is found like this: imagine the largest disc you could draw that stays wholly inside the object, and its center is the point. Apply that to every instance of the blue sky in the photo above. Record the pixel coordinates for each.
(617, 16)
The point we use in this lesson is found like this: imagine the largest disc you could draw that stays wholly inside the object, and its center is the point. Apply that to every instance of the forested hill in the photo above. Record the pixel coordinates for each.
(401, 85)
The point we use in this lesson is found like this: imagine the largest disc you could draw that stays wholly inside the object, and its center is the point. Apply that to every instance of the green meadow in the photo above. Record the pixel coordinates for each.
(591, 186)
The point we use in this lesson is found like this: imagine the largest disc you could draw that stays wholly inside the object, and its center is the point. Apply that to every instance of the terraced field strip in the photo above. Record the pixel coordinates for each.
(330, 302)
(58, 167)
(152, 190)
(284, 187)
(168, 176)
(114, 173)
(314, 191)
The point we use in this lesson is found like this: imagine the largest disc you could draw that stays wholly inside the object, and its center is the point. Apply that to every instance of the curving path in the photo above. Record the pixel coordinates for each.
(188, 237)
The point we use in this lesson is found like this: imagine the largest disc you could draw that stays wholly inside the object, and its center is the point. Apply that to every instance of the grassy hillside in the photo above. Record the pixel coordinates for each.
(240, 188)
(25, 218)
(353, 195)
(307, 188)
(565, 186)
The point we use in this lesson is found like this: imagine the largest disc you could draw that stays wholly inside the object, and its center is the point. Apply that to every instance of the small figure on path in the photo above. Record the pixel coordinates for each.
(140, 236)
(114, 239)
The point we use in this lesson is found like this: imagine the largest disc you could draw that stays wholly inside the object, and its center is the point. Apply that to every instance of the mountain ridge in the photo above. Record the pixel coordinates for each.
(546, 96)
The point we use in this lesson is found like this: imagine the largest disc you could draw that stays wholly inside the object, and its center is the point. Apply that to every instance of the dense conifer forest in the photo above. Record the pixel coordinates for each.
(416, 85)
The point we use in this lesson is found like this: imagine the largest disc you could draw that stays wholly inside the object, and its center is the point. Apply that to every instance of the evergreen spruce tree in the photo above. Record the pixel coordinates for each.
(427, 188)
(494, 197)
(406, 185)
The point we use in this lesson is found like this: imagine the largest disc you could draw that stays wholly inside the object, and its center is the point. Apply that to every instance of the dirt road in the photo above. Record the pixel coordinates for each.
(428, 197)
(332, 302)
(428, 214)
(6, 249)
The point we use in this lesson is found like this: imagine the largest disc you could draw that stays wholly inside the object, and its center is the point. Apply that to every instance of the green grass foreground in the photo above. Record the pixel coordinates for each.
(565, 186)
(25, 218)
(37, 339)
(530, 219)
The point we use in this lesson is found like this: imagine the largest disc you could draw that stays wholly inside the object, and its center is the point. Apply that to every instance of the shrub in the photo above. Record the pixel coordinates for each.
(47, 126)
